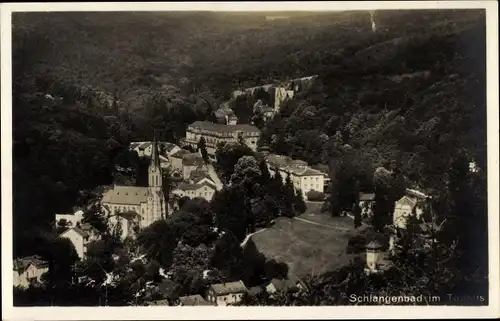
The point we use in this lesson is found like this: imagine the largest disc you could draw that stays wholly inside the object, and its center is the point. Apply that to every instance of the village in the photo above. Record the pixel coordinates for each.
(193, 175)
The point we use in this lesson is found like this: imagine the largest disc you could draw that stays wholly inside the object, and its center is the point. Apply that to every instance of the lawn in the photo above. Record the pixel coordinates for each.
(306, 247)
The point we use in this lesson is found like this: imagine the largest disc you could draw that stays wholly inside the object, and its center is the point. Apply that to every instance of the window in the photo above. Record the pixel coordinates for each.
(156, 180)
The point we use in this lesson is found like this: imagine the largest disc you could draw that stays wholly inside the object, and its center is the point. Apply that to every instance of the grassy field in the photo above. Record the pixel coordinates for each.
(312, 244)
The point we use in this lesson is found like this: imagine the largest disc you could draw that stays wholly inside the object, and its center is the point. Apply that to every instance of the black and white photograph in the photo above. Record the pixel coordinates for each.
(249, 158)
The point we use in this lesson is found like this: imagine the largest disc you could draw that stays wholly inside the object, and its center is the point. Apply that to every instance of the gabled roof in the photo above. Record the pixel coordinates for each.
(193, 300)
(23, 263)
(144, 145)
(180, 153)
(406, 200)
(192, 159)
(169, 146)
(193, 187)
(284, 285)
(78, 230)
(127, 195)
(228, 288)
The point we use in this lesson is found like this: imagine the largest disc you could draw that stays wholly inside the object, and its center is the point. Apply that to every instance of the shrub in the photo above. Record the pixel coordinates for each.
(315, 196)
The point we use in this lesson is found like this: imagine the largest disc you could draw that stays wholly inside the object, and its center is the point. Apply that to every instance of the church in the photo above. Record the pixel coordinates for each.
(136, 206)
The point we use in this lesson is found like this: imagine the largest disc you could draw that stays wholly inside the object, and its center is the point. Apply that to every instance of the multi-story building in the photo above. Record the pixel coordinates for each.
(28, 270)
(80, 237)
(220, 133)
(302, 176)
(223, 294)
(204, 189)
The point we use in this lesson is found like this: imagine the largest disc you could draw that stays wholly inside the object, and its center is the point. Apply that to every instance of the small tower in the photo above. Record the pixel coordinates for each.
(373, 256)
(156, 200)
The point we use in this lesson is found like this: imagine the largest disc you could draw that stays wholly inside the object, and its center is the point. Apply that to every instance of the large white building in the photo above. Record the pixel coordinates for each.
(220, 133)
(147, 203)
(80, 237)
(302, 176)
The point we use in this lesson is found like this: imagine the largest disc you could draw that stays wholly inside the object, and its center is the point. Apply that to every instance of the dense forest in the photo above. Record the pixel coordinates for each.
(406, 96)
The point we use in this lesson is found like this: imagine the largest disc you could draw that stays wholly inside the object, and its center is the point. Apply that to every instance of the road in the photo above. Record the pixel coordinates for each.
(325, 225)
(249, 236)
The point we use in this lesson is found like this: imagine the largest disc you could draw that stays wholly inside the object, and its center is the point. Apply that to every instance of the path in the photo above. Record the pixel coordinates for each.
(325, 225)
(214, 177)
(250, 235)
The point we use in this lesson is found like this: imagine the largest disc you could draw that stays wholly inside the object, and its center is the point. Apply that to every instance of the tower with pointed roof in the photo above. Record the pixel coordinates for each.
(156, 204)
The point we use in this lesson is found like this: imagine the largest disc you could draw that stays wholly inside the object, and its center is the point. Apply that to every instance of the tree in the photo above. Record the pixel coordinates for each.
(299, 203)
(227, 257)
(246, 171)
(158, 242)
(265, 175)
(315, 196)
(231, 213)
(202, 147)
(227, 156)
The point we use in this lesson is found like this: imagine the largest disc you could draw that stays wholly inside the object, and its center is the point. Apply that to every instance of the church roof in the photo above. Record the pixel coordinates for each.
(130, 195)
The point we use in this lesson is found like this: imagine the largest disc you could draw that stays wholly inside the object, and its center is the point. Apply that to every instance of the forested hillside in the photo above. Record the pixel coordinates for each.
(412, 92)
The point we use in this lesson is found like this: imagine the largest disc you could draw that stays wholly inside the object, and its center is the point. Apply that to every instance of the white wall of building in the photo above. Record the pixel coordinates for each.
(77, 240)
(32, 272)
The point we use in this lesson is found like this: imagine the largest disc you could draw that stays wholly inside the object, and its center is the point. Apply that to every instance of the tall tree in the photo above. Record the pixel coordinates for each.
(202, 147)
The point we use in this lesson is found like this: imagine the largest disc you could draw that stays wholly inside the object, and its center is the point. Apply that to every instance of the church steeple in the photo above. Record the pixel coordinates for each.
(155, 158)
(156, 205)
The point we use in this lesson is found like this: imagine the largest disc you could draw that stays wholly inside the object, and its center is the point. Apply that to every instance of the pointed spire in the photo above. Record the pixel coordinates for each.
(155, 156)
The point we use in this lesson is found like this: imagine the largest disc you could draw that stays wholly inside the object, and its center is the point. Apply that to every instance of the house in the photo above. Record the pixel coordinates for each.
(291, 284)
(223, 294)
(176, 160)
(194, 300)
(70, 219)
(169, 148)
(200, 176)
(147, 202)
(412, 203)
(192, 162)
(215, 134)
(303, 177)
(366, 201)
(256, 290)
(29, 270)
(226, 116)
(376, 260)
(205, 190)
(80, 237)
(184, 163)
(144, 149)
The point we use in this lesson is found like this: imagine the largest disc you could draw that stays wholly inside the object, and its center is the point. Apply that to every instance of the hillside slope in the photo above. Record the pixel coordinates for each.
(413, 90)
